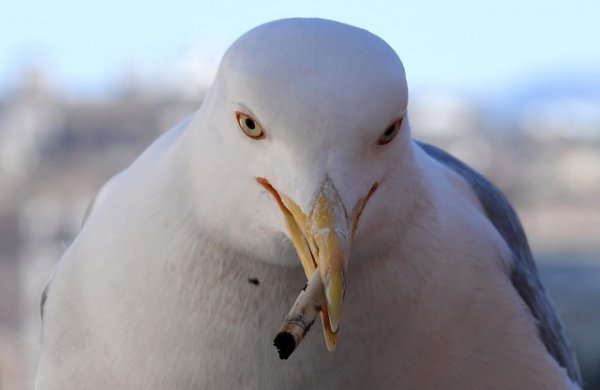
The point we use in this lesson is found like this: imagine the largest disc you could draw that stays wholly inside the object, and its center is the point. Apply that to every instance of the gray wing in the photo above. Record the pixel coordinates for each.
(524, 275)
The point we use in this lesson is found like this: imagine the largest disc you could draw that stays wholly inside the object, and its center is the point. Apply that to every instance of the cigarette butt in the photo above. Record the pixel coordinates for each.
(297, 323)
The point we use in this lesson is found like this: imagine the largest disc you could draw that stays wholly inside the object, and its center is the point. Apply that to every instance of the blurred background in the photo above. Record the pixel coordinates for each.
(512, 88)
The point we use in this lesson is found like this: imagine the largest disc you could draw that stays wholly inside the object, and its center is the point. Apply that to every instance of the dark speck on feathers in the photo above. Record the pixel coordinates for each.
(253, 281)
(304, 288)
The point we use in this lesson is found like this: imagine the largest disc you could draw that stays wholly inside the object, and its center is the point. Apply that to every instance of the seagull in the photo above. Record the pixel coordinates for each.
(300, 160)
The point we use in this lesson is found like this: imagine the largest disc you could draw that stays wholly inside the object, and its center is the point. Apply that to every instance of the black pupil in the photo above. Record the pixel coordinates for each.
(250, 124)
(389, 130)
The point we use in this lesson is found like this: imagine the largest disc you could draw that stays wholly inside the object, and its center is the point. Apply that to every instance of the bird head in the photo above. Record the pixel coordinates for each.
(306, 125)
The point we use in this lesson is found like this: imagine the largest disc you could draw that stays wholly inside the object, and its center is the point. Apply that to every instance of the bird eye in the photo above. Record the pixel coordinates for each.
(388, 135)
(249, 126)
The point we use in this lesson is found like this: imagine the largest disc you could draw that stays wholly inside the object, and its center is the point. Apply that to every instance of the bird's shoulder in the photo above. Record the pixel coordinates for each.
(118, 193)
(524, 274)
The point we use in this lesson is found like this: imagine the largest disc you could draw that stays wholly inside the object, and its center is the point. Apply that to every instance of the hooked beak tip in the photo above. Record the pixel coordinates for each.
(334, 294)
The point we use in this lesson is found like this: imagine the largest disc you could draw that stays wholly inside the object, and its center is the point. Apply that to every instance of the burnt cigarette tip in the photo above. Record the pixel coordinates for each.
(285, 344)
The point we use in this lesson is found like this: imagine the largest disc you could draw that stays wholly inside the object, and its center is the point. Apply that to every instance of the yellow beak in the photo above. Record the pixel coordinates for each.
(328, 236)
(322, 240)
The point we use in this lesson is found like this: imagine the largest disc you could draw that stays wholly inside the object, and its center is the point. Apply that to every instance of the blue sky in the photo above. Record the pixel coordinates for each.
(473, 46)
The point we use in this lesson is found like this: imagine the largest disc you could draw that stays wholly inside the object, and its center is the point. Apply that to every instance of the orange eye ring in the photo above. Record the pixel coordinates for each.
(249, 126)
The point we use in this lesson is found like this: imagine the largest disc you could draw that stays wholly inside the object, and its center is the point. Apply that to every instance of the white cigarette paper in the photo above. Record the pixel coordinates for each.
(301, 317)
